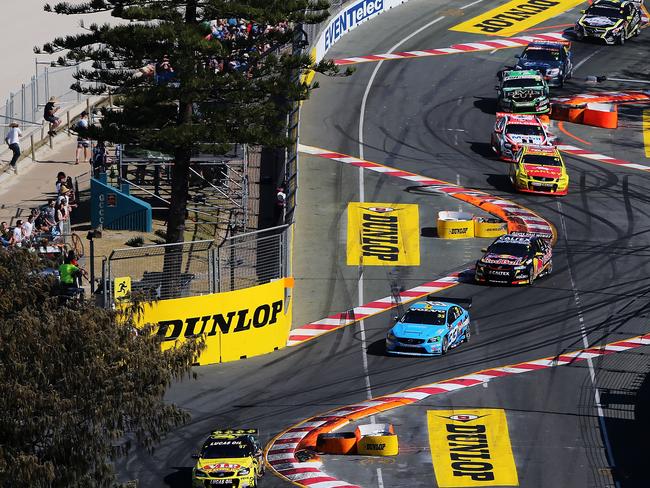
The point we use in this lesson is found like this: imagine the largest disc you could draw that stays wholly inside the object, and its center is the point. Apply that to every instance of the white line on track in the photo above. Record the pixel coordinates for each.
(575, 68)
(364, 102)
(585, 343)
(470, 4)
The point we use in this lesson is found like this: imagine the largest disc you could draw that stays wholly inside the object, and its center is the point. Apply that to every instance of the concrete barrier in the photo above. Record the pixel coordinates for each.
(377, 440)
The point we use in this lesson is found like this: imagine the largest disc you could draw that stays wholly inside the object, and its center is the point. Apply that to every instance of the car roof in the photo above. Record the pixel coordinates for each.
(520, 119)
(429, 306)
(523, 73)
(548, 44)
(540, 150)
(609, 3)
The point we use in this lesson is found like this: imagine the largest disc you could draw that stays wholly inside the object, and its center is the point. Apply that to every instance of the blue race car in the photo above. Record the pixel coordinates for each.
(429, 329)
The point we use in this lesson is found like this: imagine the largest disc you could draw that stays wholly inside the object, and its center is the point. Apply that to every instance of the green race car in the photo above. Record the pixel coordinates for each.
(522, 92)
(613, 21)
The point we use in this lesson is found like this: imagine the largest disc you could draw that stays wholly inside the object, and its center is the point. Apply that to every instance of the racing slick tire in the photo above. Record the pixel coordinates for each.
(579, 34)
(549, 270)
(637, 31)
(620, 40)
(445, 346)
(531, 274)
(468, 334)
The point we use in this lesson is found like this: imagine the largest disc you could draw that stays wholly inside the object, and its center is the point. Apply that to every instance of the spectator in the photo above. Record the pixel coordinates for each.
(17, 234)
(60, 216)
(48, 115)
(60, 180)
(69, 274)
(28, 228)
(82, 142)
(13, 141)
(99, 159)
(5, 234)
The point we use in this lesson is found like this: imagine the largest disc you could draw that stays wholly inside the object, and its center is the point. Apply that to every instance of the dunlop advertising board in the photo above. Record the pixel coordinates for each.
(515, 16)
(383, 234)
(235, 324)
(471, 447)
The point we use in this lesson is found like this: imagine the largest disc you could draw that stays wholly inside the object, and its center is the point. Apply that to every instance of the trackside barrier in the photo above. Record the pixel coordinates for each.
(337, 443)
(489, 227)
(376, 440)
(235, 325)
(595, 114)
(455, 225)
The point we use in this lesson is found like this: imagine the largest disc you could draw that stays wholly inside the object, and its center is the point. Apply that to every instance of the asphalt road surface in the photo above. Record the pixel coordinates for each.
(433, 116)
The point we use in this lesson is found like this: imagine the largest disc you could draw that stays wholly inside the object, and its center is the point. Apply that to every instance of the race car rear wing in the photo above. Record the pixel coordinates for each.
(236, 432)
(463, 302)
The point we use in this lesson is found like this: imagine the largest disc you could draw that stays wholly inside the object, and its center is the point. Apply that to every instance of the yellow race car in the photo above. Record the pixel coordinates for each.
(229, 458)
(539, 169)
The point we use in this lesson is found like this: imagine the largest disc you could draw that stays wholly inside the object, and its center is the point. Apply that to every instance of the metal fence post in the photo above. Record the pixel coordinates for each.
(22, 104)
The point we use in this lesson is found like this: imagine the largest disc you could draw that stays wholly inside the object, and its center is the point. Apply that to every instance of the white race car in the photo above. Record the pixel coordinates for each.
(512, 131)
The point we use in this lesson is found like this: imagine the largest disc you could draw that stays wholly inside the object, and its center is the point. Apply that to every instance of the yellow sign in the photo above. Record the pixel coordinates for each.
(471, 447)
(234, 324)
(515, 16)
(646, 132)
(122, 287)
(383, 234)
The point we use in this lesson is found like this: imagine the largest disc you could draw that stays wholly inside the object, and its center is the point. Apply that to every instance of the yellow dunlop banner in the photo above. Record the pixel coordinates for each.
(235, 324)
(646, 132)
(515, 16)
(383, 234)
(471, 447)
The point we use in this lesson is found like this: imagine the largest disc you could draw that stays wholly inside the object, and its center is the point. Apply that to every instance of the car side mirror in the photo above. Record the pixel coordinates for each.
(496, 87)
(196, 456)
(484, 249)
(395, 318)
(583, 11)
(517, 56)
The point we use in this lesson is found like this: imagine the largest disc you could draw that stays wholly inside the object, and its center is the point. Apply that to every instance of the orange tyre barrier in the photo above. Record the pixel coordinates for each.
(337, 443)
(601, 115)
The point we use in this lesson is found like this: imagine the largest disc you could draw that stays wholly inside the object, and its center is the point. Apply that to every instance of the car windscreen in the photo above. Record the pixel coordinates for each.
(522, 83)
(510, 249)
(432, 317)
(525, 130)
(226, 449)
(541, 160)
(613, 13)
(542, 55)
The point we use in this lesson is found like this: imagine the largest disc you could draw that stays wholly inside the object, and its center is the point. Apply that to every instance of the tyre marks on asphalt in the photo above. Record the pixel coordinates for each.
(602, 158)
(290, 454)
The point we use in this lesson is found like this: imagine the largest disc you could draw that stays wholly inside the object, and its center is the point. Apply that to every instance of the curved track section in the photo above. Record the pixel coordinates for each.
(432, 116)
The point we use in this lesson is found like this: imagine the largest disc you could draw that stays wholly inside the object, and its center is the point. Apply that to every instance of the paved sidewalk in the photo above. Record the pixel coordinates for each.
(34, 183)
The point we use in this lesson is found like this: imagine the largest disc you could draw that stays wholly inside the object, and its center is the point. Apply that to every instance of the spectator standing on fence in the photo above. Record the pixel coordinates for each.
(49, 115)
(83, 143)
(13, 141)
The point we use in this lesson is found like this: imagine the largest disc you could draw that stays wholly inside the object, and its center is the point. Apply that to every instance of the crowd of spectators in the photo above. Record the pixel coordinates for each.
(45, 224)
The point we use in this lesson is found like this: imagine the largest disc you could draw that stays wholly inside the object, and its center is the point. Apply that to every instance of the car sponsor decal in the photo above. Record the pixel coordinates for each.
(284, 454)
(383, 234)
(491, 45)
(471, 448)
(515, 16)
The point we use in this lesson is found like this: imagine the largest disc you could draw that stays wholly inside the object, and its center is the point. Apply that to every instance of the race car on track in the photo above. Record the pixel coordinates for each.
(539, 169)
(517, 258)
(613, 21)
(429, 328)
(551, 58)
(512, 131)
(229, 458)
(522, 92)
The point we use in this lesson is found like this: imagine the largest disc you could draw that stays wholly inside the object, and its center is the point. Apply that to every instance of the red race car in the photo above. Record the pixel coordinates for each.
(512, 131)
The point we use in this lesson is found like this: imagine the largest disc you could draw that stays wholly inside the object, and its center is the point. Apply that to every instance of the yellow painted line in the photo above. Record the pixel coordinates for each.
(515, 16)
(383, 234)
(646, 132)
(471, 447)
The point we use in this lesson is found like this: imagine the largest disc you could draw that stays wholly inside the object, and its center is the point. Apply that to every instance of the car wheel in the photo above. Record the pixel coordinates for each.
(468, 334)
(445, 345)
(637, 31)
(621, 39)
(549, 270)
(579, 34)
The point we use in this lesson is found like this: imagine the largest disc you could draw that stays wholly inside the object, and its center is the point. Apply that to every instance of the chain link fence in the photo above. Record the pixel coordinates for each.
(199, 267)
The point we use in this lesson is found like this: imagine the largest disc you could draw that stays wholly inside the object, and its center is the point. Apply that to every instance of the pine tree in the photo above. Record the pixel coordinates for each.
(78, 385)
(195, 109)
